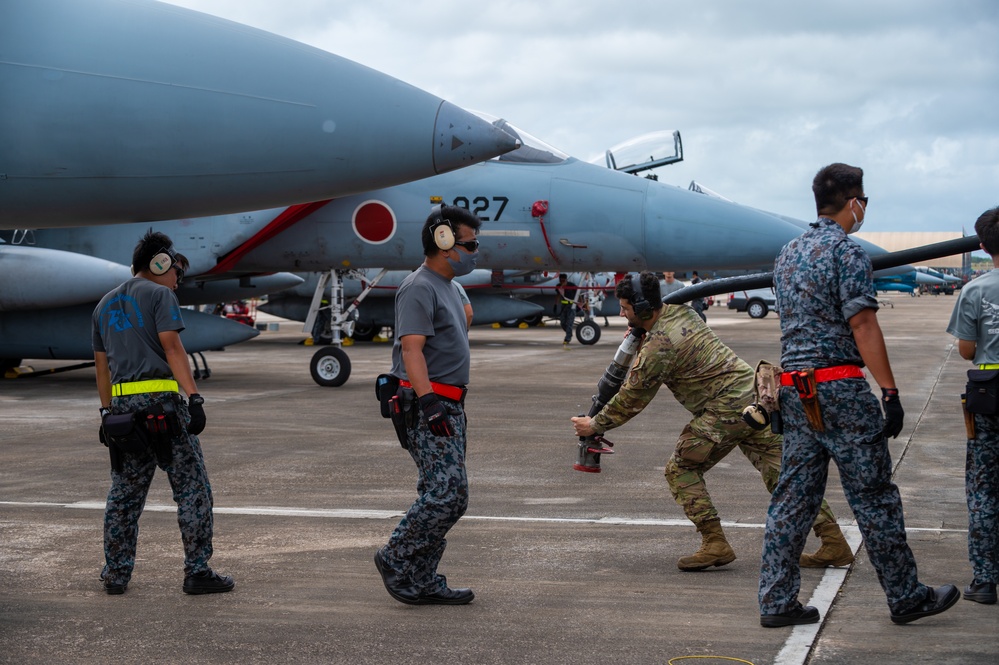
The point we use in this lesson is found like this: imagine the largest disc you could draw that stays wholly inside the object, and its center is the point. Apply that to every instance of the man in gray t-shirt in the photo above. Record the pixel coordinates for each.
(975, 323)
(430, 357)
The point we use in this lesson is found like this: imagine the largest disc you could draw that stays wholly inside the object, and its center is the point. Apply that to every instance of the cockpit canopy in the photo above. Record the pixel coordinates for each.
(532, 150)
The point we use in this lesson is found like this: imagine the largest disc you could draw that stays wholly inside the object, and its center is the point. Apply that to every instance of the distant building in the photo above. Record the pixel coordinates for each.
(896, 241)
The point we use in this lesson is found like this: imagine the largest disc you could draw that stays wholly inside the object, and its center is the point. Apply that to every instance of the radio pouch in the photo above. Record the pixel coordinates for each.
(386, 386)
(402, 410)
(982, 391)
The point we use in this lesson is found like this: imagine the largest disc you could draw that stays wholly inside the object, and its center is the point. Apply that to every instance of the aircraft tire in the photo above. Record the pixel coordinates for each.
(330, 367)
(588, 332)
(364, 333)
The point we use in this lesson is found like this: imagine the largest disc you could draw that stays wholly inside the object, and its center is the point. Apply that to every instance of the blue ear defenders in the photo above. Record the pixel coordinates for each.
(642, 307)
(441, 229)
(162, 261)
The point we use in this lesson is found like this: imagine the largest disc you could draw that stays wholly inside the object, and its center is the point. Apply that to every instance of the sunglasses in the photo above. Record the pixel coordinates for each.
(180, 273)
(470, 245)
(863, 199)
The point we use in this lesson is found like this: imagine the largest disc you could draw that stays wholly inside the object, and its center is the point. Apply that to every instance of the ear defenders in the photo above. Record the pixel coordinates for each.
(642, 307)
(441, 229)
(162, 261)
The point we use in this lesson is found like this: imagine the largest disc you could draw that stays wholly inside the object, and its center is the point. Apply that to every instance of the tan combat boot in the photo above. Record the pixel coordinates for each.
(834, 551)
(715, 550)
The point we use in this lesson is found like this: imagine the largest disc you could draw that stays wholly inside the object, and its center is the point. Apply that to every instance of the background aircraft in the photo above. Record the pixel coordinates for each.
(542, 211)
(906, 282)
(130, 110)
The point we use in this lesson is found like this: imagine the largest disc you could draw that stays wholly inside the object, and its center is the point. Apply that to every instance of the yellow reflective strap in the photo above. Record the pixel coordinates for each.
(988, 366)
(139, 387)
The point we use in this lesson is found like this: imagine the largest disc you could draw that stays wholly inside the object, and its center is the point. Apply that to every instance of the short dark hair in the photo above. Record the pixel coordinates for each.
(650, 289)
(836, 184)
(457, 215)
(987, 228)
(149, 246)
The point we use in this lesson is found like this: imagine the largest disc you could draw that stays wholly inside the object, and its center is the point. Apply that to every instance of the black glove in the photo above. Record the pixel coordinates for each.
(196, 407)
(894, 415)
(433, 411)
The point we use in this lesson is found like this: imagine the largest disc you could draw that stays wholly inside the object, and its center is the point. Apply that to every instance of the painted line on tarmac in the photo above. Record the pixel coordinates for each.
(355, 513)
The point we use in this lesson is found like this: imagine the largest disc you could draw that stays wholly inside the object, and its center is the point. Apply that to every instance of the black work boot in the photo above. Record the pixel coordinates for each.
(208, 581)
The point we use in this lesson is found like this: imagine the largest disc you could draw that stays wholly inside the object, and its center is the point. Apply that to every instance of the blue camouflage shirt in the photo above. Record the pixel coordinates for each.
(822, 279)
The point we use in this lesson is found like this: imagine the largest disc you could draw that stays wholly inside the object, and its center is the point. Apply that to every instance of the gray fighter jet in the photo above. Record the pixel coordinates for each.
(118, 111)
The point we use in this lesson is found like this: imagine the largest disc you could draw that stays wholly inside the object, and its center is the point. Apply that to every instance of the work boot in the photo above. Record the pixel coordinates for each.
(715, 550)
(834, 551)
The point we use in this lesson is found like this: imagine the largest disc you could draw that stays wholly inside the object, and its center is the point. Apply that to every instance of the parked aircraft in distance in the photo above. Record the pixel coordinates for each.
(907, 282)
(116, 111)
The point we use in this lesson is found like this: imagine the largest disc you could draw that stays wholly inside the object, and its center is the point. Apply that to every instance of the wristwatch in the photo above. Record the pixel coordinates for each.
(196, 398)
(105, 411)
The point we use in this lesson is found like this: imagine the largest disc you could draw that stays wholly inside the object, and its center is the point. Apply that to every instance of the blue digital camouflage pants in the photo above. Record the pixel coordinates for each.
(416, 546)
(853, 440)
(982, 489)
(191, 492)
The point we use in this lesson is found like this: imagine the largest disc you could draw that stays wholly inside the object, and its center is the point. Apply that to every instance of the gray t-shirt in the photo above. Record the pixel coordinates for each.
(127, 324)
(427, 304)
(976, 317)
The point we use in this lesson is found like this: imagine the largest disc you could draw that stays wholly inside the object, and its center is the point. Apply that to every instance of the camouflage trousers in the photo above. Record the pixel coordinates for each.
(982, 489)
(853, 440)
(191, 492)
(704, 442)
(416, 546)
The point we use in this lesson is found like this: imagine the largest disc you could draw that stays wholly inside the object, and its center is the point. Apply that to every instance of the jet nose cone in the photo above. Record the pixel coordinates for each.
(462, 138)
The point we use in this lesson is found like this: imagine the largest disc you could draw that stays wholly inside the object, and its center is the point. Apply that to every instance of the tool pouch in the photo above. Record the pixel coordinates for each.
(123, 435)
(804, 383)
(162, 424)
(969, 418)
(386, 386)
(766, 408)
(982, 391)
(402, 410)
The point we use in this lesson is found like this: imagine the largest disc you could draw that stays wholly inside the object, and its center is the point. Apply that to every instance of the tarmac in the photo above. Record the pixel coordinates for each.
(567, 567)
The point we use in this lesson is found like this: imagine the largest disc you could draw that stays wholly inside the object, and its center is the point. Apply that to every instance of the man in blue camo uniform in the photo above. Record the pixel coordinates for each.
(431, 357)
(141, 362)
(828, 319)
(975, 323)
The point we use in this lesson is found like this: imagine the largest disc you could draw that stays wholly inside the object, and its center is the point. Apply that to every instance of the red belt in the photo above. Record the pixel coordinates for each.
(456, 393)
(824, 374)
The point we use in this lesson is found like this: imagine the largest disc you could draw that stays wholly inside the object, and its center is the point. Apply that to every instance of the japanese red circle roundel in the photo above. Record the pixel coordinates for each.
(374, 222)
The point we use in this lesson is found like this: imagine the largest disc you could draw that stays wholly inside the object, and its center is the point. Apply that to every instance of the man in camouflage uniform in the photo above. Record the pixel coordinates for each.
(681, 352)
(431, 358)
(141, 363)
(975, 322)
(829, 329)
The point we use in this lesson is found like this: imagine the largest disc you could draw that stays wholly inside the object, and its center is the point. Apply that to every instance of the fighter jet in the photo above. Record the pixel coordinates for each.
(906, 282)
(542, 210)
(117, 111)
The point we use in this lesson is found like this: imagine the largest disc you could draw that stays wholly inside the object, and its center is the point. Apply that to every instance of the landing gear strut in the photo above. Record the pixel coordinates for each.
(330, 366)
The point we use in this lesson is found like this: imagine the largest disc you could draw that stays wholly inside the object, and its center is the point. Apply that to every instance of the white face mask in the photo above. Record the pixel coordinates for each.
(857, 223)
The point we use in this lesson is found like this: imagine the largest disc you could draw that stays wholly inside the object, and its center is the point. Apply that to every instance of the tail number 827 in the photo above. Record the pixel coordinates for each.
(483, 205)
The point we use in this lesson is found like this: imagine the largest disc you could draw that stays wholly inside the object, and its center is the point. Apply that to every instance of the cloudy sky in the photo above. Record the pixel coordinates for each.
(764, 92)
